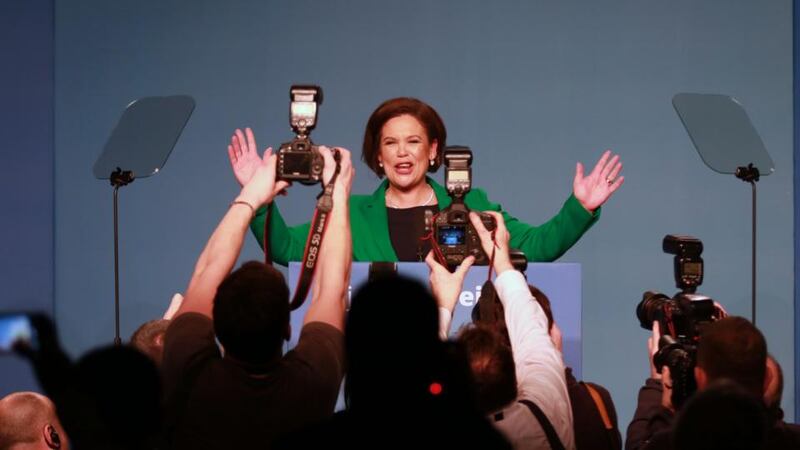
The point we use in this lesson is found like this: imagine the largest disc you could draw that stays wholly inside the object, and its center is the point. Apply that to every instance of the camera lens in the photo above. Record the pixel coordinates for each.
(648, 310)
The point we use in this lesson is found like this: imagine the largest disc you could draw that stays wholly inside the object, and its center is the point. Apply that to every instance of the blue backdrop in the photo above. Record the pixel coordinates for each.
(26, 171)
(531, 86)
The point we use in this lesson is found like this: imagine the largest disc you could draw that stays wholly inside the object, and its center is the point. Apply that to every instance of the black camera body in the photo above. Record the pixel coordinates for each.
(683, 315)
(299, 160)
(452, 230)
(456, 236)
(681, 319)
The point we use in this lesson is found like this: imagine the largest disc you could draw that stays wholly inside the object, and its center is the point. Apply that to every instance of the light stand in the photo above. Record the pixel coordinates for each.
(118, 178)
(141, 142)
(750, 174)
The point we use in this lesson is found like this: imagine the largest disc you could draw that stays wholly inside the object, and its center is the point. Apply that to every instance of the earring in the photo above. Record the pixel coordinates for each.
(431, 161)
(380, 164)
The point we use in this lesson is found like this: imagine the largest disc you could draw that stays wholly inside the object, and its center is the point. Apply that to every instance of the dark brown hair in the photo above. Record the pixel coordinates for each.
(251, 312)
(734, 348)
(424, 113)
(148, 339)
(492, 362)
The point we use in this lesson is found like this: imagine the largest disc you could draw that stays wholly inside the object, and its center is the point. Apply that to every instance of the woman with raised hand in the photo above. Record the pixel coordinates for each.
(403, 142)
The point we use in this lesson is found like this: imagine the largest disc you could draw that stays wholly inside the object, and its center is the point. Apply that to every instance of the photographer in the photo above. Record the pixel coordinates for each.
(521, 388)
(403, 141)
(730, 348)
(254, 393)
(654, 410)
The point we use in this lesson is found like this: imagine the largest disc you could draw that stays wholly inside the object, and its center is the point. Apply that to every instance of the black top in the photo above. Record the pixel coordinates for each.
(406, 227)
(218, 403)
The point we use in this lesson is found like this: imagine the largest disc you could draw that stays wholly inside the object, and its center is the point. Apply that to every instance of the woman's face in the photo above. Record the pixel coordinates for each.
(405, 152)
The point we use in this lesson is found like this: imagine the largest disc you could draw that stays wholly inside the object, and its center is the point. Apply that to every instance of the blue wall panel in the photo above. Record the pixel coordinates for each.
(26, 169)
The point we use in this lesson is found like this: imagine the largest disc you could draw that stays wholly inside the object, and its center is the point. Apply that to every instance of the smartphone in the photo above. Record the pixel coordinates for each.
(16, 327)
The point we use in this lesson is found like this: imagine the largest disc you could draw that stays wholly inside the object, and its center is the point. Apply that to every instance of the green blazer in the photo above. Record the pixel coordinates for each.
(370, 229)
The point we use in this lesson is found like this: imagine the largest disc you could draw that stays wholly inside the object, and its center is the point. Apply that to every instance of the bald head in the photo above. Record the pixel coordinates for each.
(28, 419)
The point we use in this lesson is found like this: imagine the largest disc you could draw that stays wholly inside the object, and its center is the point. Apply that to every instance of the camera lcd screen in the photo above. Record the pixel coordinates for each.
(15, 328)
(296, 163)
(452, 235)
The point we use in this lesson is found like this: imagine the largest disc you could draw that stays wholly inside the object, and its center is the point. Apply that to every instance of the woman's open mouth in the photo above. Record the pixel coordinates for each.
(404, 168)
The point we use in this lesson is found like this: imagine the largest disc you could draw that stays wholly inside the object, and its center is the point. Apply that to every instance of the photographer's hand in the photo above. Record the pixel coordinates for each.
(664, 376)
(243, 155)
(596, 188)
(262, 187)
(446, 286)
(652, 348)
(719, 311)
(502, 259)
(344, 180)
(50, 362)
(46, 340)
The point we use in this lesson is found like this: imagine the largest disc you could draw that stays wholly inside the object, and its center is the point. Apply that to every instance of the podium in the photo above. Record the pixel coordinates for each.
(561, 282)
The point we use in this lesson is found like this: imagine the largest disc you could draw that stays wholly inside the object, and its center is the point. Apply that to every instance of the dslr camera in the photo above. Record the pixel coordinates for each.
(300, 160)
(452, 230)
(681, 318)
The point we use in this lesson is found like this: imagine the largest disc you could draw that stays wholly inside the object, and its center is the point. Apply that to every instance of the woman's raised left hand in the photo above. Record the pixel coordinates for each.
(594, 189)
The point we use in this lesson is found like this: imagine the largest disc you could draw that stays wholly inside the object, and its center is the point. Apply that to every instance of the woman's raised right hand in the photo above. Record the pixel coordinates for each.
(243, 154)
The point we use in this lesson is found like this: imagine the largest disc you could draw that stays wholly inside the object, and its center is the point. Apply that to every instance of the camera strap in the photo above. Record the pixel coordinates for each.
(315, 234)
(437, 252)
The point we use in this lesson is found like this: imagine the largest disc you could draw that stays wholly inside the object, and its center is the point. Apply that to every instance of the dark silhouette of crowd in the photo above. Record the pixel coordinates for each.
(213, 375)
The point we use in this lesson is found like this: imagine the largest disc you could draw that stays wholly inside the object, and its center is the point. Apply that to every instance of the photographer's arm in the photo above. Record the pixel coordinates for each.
(52, 365)
(332, 275)
(539, 365)
(446, 288)
(225, 244)
(651, 417)
(525, 319)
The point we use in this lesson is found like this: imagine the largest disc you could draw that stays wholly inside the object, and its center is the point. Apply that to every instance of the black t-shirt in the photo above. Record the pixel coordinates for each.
(216, 403)
(406, 227)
